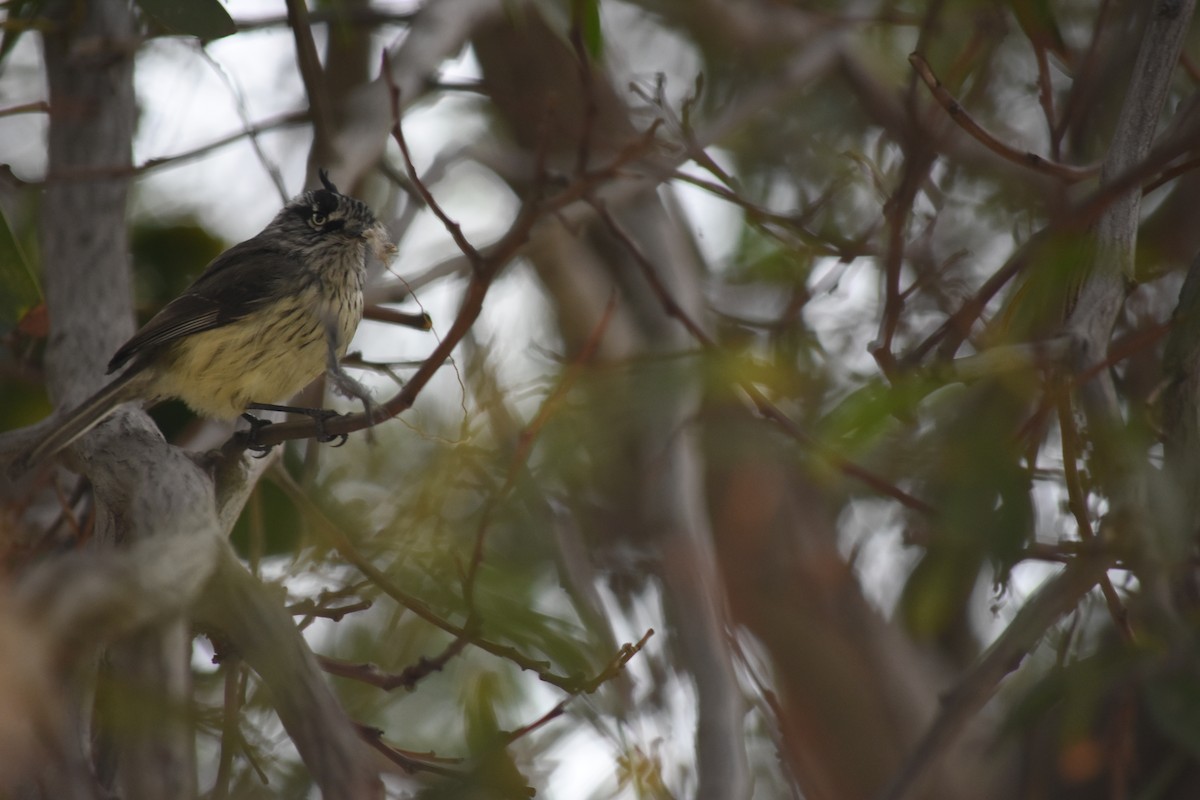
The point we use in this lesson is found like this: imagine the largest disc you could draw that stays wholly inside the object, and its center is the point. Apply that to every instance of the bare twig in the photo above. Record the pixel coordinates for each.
(310, 67)
(899, 206)
(310, 609)
(36, 107)
(231, 739)
(430, 201)
(408, 678)
(409, 762)
(765, 407)
(965, 121)
(421, 322)
(239, 104)
(88, 173)
(1077, 503)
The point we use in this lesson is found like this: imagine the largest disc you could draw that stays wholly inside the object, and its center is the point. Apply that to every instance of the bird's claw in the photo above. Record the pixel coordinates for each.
(252, 444)
(320, 416)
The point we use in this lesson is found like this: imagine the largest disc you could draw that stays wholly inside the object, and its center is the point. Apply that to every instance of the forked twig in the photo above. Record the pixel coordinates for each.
(1033, 161)
(765, 407)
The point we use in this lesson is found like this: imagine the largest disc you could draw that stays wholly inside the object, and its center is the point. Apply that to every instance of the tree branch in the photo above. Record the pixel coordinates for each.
(237, 605)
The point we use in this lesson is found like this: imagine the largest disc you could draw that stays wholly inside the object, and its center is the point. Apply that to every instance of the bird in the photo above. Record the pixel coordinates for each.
(263, 320)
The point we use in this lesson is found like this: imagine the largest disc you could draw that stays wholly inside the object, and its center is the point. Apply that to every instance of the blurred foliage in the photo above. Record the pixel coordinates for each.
(204, 19)
(167, 256)
(19, 292)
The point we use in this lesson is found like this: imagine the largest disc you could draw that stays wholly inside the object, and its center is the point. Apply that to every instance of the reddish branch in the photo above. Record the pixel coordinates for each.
(965, 121)
(407, 678)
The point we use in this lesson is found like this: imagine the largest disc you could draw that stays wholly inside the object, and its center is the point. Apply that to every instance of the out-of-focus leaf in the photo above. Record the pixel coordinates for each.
(862, 416)
(21, 13)
(761, 258)
(19, 292)
(937, 595)
(268, 525)
(1174, 703)
(588, 19)
(1073, 698)
(642, 772)
(1037, 20)
(494, 774)
(204, 19)
(1040, 303)
(167, 257)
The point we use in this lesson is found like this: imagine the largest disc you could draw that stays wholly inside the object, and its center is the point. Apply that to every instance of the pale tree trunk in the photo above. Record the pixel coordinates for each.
(89, 65)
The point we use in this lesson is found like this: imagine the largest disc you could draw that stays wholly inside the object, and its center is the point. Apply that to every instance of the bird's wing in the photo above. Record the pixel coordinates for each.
(237, 283)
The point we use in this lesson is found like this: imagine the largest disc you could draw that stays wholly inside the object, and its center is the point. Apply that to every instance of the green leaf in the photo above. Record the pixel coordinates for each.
(21, 14)
(204, 19)
(1037, 20)
(19, 290)
(588, 19)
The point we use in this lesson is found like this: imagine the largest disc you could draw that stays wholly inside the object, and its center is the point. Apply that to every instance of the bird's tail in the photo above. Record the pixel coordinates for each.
(87, 415)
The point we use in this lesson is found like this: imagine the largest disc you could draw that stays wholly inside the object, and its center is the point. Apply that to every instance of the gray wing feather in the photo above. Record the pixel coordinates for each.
(240, 281)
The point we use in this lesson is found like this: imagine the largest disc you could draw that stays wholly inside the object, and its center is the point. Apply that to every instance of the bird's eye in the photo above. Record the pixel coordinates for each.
(319, 219)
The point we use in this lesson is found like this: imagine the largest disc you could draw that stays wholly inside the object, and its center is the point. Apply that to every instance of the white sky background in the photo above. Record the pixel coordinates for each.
(184, 103)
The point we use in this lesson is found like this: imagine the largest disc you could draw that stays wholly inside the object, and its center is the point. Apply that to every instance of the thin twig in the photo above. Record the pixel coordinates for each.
(231, 739)
(1077, 503)
(407, 678)
(553, 714)
(765, 407)
(310, 68)
(409, 762)
(421, 322)
(36, 107)
(897, 212)
(121, 171)
(430, 201)
(239, 104)
(339, 541)
(1063, 172)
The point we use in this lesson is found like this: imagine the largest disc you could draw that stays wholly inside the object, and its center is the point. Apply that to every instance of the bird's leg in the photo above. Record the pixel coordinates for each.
(343, 382)
(319, 416)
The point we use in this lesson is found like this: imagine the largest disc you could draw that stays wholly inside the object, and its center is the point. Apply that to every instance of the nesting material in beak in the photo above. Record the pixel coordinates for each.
(381, 244)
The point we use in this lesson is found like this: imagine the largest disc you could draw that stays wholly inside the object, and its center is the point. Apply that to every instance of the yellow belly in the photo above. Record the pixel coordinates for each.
(263, 358)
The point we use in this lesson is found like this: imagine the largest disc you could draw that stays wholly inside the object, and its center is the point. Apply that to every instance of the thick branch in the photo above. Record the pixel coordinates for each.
(1056, 597)
(264, 635)
(1103, 294)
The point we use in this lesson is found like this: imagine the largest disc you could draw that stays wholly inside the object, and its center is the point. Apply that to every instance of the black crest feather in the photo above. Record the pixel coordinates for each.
(323, 174)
